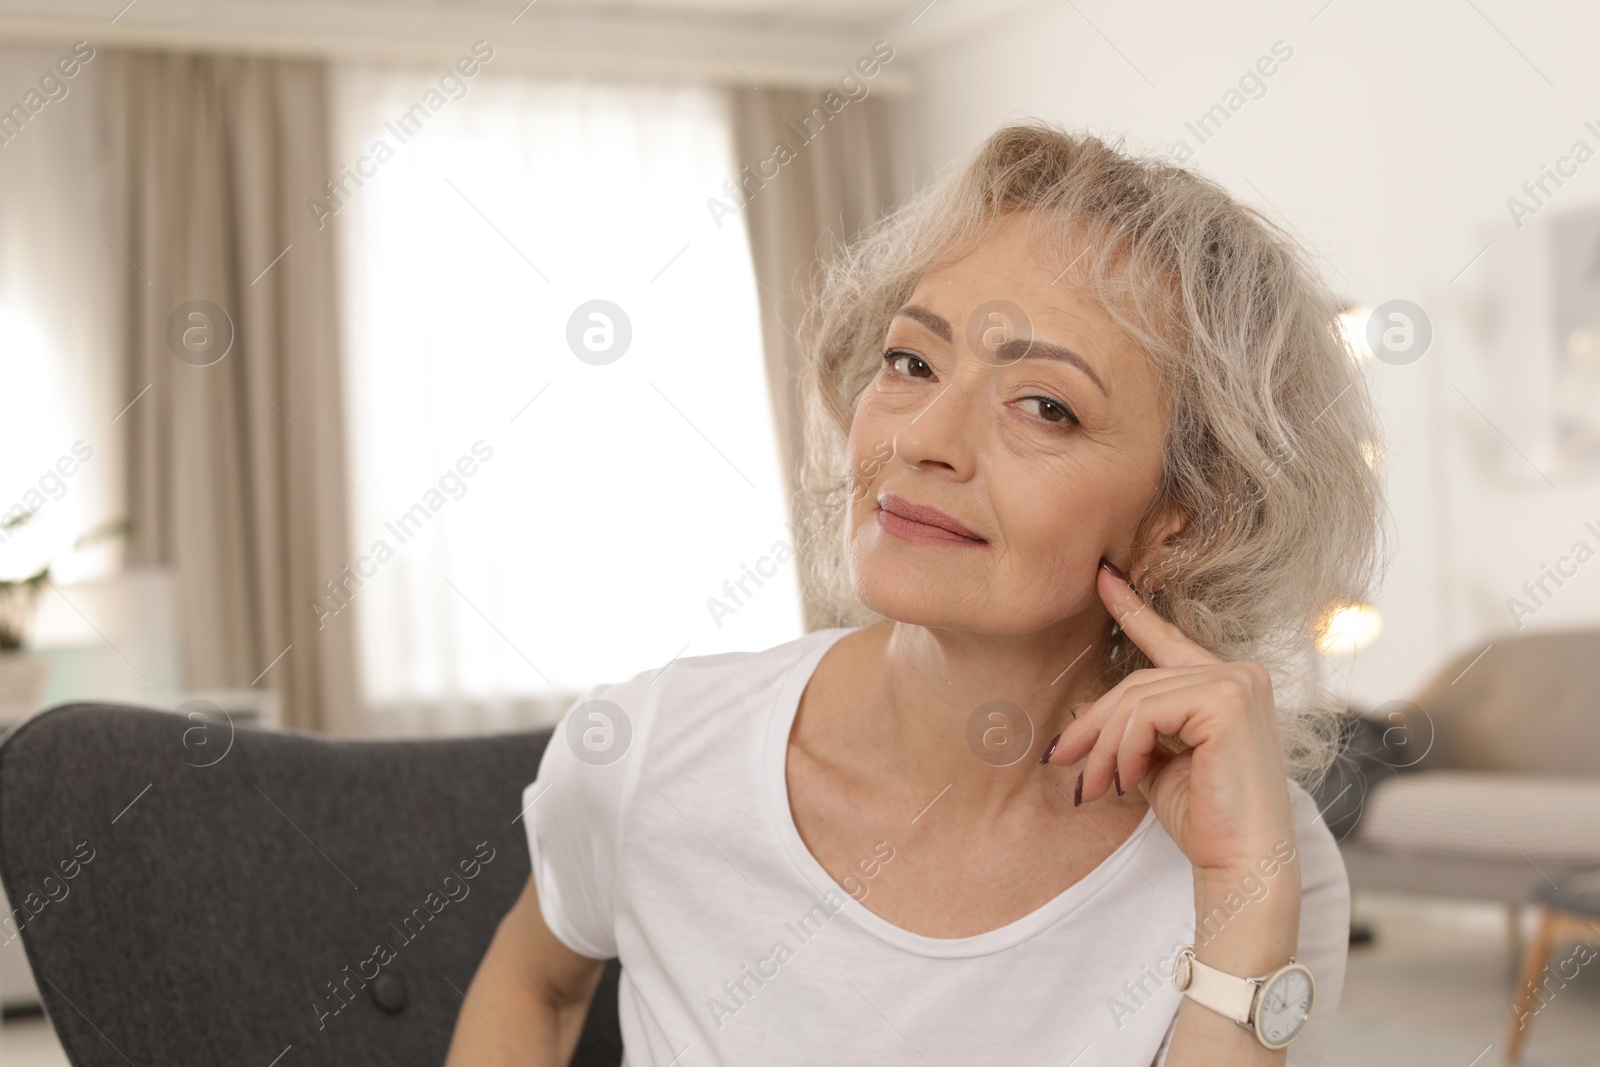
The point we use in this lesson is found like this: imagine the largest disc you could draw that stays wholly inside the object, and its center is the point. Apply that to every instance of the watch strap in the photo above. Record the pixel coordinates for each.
(1224, 993)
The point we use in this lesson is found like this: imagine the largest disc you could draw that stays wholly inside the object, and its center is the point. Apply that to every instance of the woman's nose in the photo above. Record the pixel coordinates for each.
(944, 433)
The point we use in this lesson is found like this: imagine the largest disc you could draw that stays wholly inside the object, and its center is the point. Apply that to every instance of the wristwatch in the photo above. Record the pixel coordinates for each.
(1274, 1007)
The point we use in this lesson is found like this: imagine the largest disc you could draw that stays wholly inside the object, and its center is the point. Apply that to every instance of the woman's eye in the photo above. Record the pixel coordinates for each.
(894, 355)
(910, 365)
(1052, 411)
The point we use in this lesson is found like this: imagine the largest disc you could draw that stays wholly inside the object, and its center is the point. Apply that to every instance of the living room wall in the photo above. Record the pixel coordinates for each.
(1390, 140)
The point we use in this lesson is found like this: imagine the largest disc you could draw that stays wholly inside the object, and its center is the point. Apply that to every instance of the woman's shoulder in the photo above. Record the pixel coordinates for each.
(668, 716)
(692, 720)
(716, 667)
(685, 677)
(690, 692)
(1321, 862)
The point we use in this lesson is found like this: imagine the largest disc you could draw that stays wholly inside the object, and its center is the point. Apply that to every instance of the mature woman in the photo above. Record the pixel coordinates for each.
(1087, 463)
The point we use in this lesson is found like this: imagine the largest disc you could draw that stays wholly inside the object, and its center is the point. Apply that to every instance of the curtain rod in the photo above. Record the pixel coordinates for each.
(766, 74)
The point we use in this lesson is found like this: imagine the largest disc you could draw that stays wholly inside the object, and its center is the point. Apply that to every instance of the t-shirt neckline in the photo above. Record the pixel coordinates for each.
(785, 707)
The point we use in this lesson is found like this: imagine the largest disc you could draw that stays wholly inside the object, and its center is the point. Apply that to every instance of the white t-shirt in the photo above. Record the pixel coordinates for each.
(662, 836)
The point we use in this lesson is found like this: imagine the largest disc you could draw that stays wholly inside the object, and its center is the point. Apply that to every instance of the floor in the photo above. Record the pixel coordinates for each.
(1433, 990)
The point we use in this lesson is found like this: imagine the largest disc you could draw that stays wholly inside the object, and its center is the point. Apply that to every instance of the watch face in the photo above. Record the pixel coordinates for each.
(1284, 1007)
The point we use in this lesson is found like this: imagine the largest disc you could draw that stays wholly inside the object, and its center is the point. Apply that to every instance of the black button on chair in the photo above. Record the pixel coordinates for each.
(189, 892)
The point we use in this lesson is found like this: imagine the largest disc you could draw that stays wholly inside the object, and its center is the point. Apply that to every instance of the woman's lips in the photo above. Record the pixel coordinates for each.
(903, 520)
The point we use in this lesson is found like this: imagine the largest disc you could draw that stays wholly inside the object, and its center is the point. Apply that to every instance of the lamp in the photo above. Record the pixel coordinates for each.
(1348, 627)
(1352, 320)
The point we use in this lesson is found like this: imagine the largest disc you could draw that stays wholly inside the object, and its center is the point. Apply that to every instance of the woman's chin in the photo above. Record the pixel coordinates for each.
(923, 594)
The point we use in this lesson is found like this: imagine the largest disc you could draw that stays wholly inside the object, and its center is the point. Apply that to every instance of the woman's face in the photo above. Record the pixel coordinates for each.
(1019, 410)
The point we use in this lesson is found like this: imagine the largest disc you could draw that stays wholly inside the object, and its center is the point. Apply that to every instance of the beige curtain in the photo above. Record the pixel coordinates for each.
(841, 177)
(235, 470)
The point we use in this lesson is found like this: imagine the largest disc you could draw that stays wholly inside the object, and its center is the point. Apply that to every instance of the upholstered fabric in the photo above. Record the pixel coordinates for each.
(1486, 784)
(188, 892)
(1578, 894)
(1488, 815)
(1525, 703)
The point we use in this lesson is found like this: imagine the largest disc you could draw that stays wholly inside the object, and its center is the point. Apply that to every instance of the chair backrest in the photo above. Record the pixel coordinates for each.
(193, 893)
(1530, 704)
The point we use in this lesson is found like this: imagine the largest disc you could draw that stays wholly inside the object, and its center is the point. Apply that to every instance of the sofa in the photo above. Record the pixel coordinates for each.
(1485, 784)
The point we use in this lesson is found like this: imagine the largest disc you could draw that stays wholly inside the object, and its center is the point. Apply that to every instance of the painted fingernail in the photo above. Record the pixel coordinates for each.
(1050, 749)
(1116, 572)
(1077, 791)
(1116, 780)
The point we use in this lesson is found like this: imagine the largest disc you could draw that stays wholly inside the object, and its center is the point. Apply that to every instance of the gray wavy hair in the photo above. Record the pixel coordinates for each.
(1271, 432)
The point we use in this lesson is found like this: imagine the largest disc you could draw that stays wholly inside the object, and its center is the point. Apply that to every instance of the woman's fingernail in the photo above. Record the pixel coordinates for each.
(1116, 780)
(1116, 572)
(1050, 749)
(1077, 791)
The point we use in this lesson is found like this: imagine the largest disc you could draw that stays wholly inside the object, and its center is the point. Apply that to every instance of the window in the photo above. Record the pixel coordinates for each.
(531, 512)
(59, 439)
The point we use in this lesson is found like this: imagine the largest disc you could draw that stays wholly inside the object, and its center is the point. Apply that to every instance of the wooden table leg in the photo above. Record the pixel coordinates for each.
(1532, 966)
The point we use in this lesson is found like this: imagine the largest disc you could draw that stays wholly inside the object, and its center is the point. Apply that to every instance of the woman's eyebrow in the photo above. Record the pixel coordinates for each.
(1015, 349)
(937, 323)
(1033, 348)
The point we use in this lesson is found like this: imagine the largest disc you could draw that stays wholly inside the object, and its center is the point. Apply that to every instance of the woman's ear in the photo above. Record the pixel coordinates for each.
(1154, 563)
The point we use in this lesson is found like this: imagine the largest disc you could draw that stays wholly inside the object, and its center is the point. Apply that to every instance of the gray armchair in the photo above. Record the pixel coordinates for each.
(193, 893)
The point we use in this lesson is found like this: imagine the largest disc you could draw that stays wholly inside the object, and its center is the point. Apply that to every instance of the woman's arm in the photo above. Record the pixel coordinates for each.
(1257, 940)
(1221, 792)
(529, 998)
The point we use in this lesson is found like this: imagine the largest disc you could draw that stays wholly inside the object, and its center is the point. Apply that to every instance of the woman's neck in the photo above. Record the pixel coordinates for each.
(952, 707)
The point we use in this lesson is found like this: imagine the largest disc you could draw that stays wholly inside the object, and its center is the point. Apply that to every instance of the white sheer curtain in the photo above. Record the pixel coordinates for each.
(58, 276)
(569, 519)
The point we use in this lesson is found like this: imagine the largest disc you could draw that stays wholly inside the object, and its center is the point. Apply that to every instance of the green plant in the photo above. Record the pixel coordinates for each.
(19, 596)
